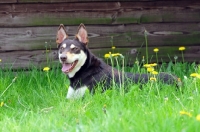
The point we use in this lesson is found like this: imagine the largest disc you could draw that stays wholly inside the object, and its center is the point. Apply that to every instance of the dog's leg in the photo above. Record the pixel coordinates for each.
(75, 94)
(70, 93)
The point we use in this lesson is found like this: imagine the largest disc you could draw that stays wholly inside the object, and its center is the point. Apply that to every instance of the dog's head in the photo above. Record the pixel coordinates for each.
(72, 53)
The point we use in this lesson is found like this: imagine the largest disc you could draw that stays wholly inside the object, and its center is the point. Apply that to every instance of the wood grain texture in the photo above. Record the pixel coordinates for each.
(8, 1)
(28, 29)
(27, 59)
(50, 1)
(38, 58)
(98, 13)
(37, 38)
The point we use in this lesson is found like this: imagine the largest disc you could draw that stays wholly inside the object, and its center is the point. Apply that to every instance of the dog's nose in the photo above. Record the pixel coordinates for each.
(63, 58)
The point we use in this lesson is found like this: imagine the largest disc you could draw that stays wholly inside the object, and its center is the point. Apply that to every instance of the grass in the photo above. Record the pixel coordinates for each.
(35, 102)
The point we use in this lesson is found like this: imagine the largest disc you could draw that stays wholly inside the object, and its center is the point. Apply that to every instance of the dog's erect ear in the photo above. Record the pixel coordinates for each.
(61, 34)
(82, 35)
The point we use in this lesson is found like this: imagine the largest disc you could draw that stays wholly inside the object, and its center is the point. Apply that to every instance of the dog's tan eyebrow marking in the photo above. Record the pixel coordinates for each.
(72, 46)
(64, 45)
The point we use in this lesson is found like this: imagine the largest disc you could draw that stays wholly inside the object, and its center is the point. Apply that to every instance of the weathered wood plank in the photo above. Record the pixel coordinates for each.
(53, 18)
(37, 38)
(50, 1)
(95, 13)
(69, 7)
(27, 59)
(170, 4)
(99, 6)
(38, 58)
(102, 6)
(156, 15)
(8, 1)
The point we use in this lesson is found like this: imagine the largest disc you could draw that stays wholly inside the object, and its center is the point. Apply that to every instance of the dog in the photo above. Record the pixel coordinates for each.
(85, 70)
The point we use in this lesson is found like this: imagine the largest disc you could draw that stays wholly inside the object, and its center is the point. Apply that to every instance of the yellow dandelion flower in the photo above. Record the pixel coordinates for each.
(46, 69)
(156, 50)
(112, 55)
(198, 117)
(2, 103)
(150, 69)
(181, 48)
(154, 64)
(154, 72)
(185, 113)
(115, 55)
(107, 56)
(113, 47)
(147, 65)
(152, 78)
(195, 75)
(0, 60)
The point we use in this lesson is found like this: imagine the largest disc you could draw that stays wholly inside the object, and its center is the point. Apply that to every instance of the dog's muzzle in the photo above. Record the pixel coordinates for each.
(66, 66)
(63, 58)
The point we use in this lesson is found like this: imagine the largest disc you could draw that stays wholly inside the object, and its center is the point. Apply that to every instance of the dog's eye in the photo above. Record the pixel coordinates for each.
(62, 48)
(74, 48)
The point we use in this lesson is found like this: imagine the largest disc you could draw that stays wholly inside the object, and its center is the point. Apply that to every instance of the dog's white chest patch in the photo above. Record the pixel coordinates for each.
(75, 94)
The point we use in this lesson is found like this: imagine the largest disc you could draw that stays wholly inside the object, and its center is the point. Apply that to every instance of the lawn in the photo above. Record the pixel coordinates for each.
(35, 101)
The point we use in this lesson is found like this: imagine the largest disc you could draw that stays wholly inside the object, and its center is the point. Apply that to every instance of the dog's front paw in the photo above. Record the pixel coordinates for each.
(76, 94)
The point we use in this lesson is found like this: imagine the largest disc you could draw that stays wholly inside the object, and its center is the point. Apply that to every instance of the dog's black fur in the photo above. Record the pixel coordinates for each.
(94, 70)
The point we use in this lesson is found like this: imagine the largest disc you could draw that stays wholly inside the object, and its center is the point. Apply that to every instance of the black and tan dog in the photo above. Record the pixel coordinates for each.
(85, 70)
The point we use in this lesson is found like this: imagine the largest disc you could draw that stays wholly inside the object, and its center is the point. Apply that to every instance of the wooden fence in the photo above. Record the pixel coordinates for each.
(28, 29)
